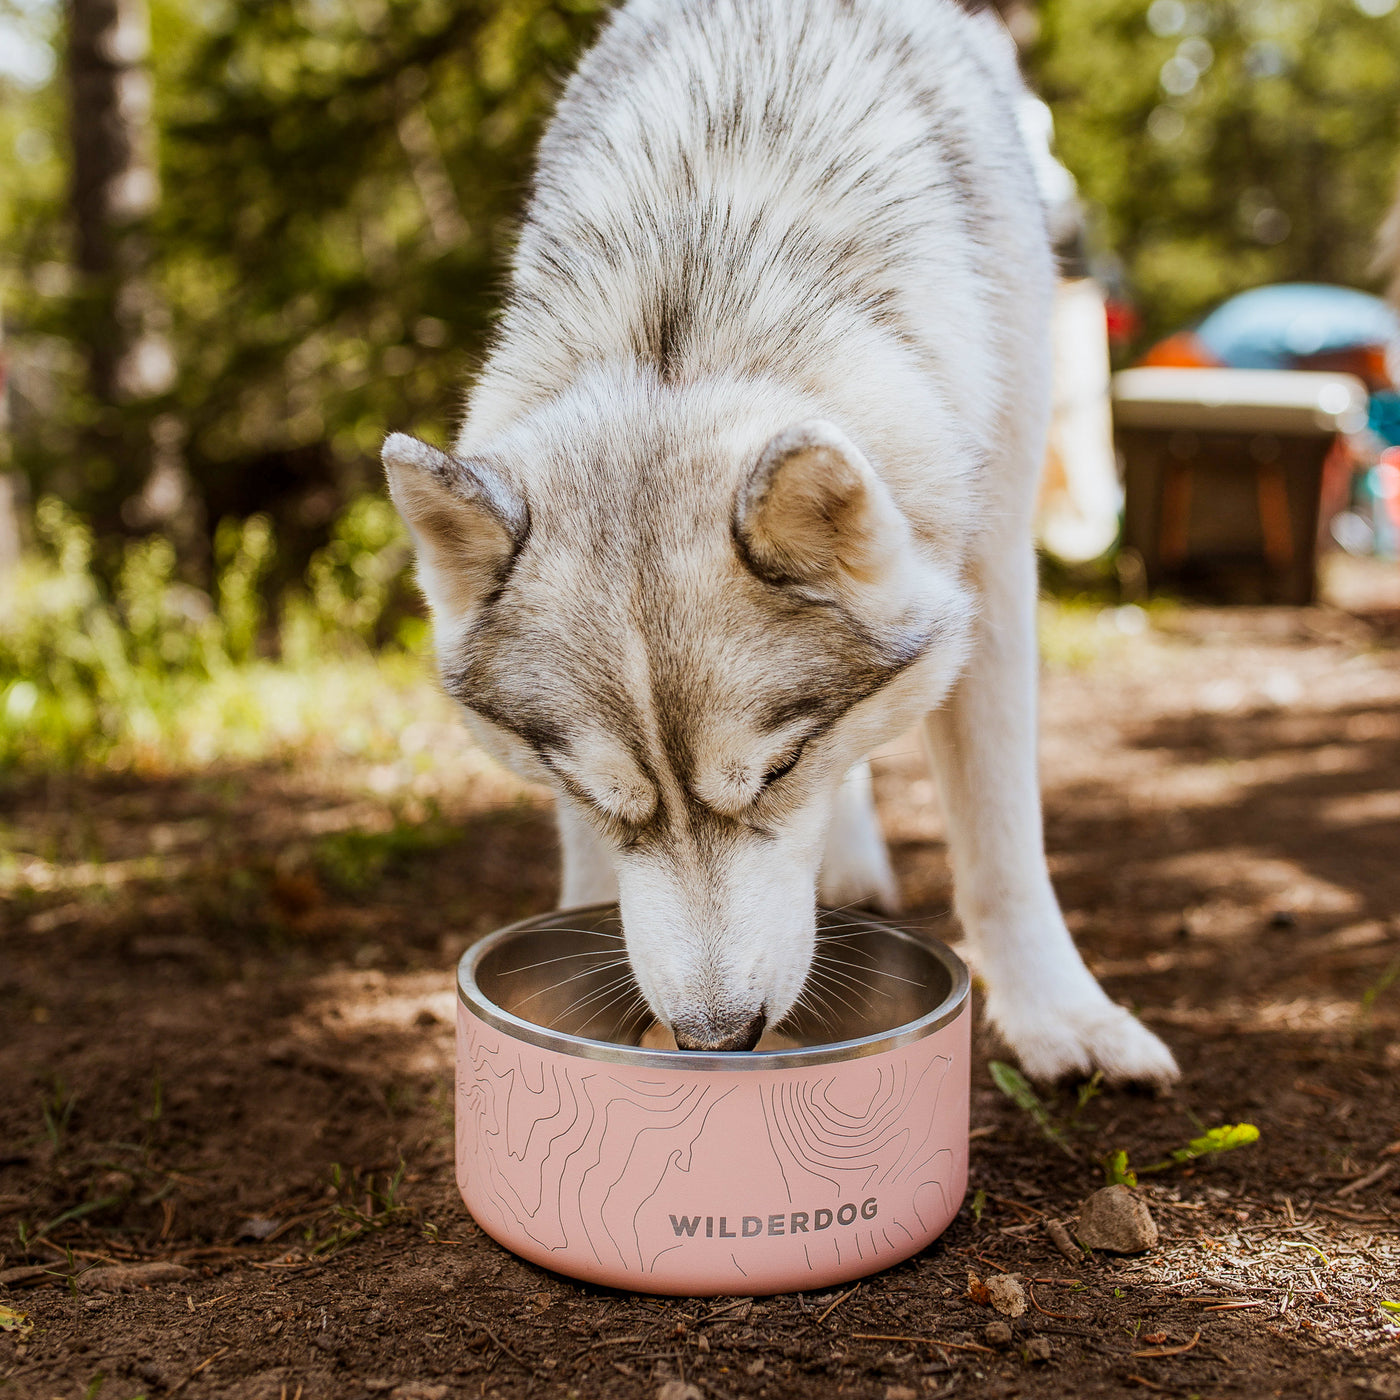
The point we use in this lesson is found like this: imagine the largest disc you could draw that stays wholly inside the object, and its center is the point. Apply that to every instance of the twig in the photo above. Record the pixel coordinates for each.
(606, 1342)
(922, 1341)
(1167, 1351)
(1370, 1179)
(1059, 1237)
(208, 1361)
(990, 1263)
(1017, 1205)
(1233, 1307)
(836, 1304)
(519, 1360)
(1143, 1381)
(1030, 1293)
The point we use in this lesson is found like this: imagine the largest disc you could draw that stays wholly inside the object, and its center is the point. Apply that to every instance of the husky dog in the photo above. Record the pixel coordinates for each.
(745, 490)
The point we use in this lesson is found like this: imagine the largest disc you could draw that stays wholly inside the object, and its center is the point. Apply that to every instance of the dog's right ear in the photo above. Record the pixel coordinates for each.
(467, 524)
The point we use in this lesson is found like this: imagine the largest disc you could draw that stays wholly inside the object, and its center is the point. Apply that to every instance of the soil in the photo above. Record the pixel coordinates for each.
(227, 1050)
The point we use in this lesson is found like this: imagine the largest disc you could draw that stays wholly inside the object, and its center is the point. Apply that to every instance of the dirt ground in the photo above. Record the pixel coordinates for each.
(226, 1008)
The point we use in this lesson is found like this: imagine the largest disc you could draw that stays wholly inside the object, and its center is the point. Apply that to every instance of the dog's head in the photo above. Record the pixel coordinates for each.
(692, 644)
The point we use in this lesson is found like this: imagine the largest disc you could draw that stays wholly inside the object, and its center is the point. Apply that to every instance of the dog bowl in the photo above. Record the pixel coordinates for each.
(667, 1171)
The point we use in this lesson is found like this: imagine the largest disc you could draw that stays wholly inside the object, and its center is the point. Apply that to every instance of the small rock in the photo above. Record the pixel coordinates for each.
(901, 1392)
(755, 1367)
(1039, 1349)
(997, 1334)
(257, 1227)
(678, 1390)
(126, 1278)
(1116, 1220)
(1008, 1297)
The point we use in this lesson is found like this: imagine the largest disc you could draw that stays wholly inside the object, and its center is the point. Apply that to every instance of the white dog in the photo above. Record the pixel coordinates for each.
(745, 490)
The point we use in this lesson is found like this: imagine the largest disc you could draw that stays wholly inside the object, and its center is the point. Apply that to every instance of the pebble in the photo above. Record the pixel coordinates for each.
(678, 1390)
(1008, 1297)
(1117, 1221)
(1039, 1349)
(997, 1334)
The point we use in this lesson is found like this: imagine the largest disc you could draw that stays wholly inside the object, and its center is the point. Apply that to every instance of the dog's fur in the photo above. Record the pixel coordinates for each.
(745, 490)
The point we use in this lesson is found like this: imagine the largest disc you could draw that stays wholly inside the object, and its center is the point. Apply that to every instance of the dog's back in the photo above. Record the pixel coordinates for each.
(817, 190)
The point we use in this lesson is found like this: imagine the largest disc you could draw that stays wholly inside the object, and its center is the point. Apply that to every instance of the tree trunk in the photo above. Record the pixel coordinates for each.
(9, 483)
(115, 192)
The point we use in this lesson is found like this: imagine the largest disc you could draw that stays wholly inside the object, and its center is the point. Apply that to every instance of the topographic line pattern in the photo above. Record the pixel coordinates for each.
(688, 1181)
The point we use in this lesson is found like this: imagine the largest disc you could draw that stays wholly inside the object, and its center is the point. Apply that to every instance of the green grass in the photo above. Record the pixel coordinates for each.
(143, 672)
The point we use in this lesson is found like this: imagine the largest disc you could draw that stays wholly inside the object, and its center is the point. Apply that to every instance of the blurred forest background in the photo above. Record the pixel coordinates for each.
(240, 242)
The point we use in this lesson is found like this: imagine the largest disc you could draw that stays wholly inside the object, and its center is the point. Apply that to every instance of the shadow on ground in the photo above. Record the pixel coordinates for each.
(228, 1043)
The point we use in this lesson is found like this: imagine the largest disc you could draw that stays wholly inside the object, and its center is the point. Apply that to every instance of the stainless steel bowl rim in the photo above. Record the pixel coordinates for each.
(743, 1061)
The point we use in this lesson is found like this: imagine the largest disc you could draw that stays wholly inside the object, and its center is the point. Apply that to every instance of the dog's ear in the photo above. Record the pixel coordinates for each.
(813, 510)
(466, 522)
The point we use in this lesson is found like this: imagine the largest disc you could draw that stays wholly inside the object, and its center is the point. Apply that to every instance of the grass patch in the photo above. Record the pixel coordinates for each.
(144, 672)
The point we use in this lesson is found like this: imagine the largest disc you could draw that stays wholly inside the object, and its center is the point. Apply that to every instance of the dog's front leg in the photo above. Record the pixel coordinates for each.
(982, 745)
(589, 876)
(856, 862)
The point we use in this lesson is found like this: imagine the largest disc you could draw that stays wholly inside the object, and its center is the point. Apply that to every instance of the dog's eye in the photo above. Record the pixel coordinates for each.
(781, 770)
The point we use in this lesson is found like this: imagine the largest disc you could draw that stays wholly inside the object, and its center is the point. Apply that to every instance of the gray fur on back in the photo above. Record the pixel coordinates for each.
(761, 187)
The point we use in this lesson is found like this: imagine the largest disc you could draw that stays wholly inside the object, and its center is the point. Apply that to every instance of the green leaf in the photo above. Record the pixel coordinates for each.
(1225, 1138)
(1390, 1307)
(1116, 1171)
(1017, 1088)
(979, 1204)
(12, 1321)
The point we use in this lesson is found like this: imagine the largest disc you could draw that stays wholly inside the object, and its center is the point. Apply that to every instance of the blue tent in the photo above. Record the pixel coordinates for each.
(1275, 327)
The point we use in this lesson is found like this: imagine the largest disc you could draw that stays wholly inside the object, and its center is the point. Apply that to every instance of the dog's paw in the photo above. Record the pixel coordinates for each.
(1096, 1035)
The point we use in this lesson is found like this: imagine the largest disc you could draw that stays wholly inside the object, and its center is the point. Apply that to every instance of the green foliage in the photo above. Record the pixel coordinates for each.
(1225, 1138)
(1226, 143)
(361, 1208)
(356, 585)
(1116, 1171)
(340, 182)
(354, 860)
(1017, 1088)
(152, 670)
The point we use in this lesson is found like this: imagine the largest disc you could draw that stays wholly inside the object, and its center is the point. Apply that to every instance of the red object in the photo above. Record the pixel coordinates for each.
(1123, 321)
(1184, 350)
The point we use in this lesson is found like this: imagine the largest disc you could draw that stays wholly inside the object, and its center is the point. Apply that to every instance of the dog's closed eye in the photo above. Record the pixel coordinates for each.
(780, 770)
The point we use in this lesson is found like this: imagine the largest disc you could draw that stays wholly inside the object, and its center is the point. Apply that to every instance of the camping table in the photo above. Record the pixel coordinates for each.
(1223, 472)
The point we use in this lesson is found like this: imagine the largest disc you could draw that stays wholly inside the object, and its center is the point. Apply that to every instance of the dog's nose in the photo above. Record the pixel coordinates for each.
(737, 1032)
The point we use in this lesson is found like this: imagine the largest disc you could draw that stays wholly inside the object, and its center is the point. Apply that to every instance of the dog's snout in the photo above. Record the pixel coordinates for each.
(737, 1032)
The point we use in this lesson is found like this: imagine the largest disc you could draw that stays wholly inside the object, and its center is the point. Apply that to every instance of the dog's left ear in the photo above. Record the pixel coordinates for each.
(813, 510)
(466, 521)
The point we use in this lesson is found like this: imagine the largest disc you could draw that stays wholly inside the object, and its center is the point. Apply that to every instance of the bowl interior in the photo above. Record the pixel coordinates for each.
(568, 973)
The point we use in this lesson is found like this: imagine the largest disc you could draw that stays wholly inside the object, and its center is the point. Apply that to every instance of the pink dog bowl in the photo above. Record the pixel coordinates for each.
(666, 1171)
